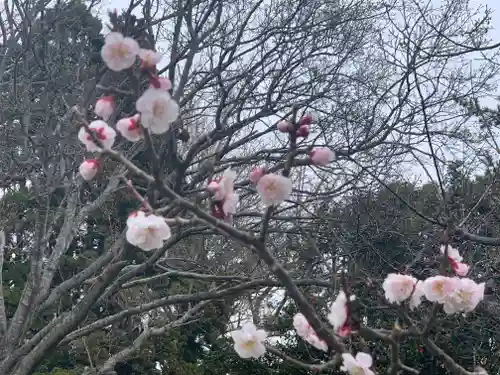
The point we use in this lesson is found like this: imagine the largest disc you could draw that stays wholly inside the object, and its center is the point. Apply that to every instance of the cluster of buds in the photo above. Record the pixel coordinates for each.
(301, 129)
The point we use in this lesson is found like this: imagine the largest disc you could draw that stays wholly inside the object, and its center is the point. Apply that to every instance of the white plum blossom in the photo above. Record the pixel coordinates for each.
(339, 314)
(307, 333)
(147, 232)
(460, 269)
(88, 169)
(119, 53)
(149, 58)
(129, 128)
(398, 288)
(439, 288)
(102, 131)
(359, 365)
(248, 341)
(158, 110)
(274, 189)
(465, 297)
(105, 107)
(322, 156)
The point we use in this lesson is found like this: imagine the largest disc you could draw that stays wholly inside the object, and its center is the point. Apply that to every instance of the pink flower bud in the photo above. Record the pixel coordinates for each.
(461, 269)
(129, 128)
(256, 173)
(162, 83)
(105, 107)
(88, 169)
(321, 156)
(213, 186)
(285, 126)
(303, 131)
(306, 120)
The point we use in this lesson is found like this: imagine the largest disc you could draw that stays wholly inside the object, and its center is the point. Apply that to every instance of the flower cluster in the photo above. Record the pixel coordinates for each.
(454, 293)
(156, 109)
(301, 129)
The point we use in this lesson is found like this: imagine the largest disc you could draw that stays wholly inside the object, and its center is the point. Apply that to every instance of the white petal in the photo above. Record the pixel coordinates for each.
(364, 359)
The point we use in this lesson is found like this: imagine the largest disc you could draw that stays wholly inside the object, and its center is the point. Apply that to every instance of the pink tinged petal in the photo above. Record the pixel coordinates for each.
(321, 156)
(129, 128)
(149, 58)
(303, 131)
(348, 361)
(274, 189)
(284, 126)
(113, 37)
(306, 120)
(88, 169)
(105, 107)
(213, 186)
(338, 312)
(461, 269)
(398, 287)
(256, 174)
(453, 253)
(364, 359)
(416, 297)
(230, 204)
(438, 288)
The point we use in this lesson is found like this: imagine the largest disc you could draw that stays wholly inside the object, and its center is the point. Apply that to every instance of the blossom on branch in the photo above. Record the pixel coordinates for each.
(119, 53)
(439, 288)
(359, 365)
(322, 156)
(455, 259)
(465, 297)
(102, 131)
(88, 169)
(158, 110)
(307, 333)
(105, 107)
(274, 189)
(129, 128)
(147, 232)
(149, 58)
(225, 200)
(398, 288)
(248, 341)
(339, 314)
(285, 126)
